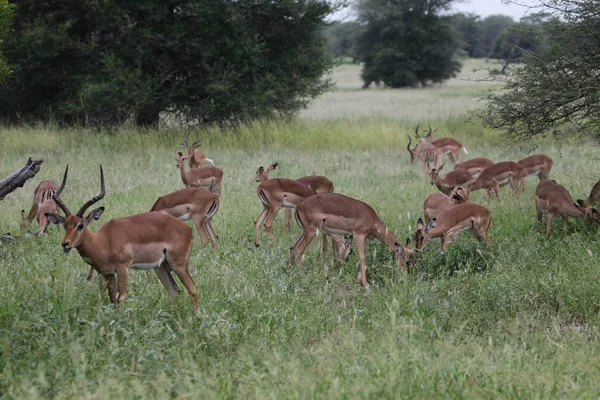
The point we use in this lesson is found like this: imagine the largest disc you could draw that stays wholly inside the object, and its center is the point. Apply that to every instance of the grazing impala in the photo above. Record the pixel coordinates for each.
(555, 199)
(456, 177)
(446, 145)
(435, 203)
(594, 197)
(42, 204)
(203, 177)
(450, 222)
(475, 166)
(338, 214)
(196, 204)
(537, 164)
(196, 157)
(500, 174)
(151, 240)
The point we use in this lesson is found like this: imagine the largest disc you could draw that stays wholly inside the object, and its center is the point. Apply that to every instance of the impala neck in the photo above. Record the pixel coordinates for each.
(385, 235)
(90, 247)
(441, 185)
(183, 174)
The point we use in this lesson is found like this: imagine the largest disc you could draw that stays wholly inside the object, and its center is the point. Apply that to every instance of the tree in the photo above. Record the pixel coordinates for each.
(219, 61)
(468, 30)
(341, 38)
(558, 83)
(406, 43)
(490, 29)
(6, 14)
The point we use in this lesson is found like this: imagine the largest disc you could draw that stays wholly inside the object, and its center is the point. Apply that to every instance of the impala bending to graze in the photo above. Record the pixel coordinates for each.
(450, 222)
(500, 174)
(594, 197)
(475, 166)
(537, 164)
(204, 177)
(435, 203)
(555, 199)
(152, 240)
(456, 177)
(196, 204)
(338, 214)
(42, 204)
(446, 145)
(196, 157)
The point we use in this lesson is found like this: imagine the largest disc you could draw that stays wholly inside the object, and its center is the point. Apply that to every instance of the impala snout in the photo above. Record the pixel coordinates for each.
(66, 245)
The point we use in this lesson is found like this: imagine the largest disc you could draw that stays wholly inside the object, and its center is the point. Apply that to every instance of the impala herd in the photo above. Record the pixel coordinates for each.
(161, 241)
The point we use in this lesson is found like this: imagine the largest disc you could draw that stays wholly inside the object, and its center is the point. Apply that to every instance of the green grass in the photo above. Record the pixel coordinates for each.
(522, 323)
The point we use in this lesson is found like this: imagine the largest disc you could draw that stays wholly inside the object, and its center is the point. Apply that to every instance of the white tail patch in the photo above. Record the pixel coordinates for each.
(465, 150)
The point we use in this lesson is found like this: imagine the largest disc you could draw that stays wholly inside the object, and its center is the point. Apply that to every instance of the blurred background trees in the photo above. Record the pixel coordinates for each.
(6, 14)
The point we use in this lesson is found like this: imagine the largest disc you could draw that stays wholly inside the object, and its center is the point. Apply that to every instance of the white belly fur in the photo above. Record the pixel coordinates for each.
(185, 217)
(149, 265)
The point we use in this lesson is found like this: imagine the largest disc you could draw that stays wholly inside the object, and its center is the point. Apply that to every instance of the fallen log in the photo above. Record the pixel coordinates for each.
(18, 178)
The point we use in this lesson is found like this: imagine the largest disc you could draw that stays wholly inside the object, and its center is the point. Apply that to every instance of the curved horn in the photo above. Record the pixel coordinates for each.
(430, 133)
(56, 196)
(417, 131)
(196, 142)
(95, 198)
(185, 143)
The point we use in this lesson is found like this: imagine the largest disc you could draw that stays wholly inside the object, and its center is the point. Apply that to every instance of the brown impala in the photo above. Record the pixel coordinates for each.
(42, 204)
(475, 165)
(338, 214)
(537, 164)
(204, 177)
(447, 145)
(456, 177)
(594, 197)
(144, 241)
(497, 175)
(450, 222)
(435, 203)
(556, 200)
(196, 157)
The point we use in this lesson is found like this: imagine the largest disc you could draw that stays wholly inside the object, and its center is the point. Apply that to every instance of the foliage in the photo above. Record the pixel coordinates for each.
(558, 82)
(468, 30)
(6, 15)
(406, 43)
(103, 63)
(491, 27)
(341, 38)
(519, 37)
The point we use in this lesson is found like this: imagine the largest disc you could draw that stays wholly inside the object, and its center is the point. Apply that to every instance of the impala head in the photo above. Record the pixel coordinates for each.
(591, 214)
(180, 159)
(75, 225)
(262, 173)
(186, 145)
(460, 194)
(413, 153)
(434, 172)
(419, 235)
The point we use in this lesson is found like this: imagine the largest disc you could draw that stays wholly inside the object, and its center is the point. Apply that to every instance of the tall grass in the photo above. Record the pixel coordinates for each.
(522, 323)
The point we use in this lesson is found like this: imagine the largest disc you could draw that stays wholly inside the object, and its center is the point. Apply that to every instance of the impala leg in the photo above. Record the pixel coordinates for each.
(565, 225)
(211, 233)
(360, 243)
(324, 245)
(261, 217)
(300, 246)
(90, 274)
(199, 224)
(111, 285)
(269, 220)
(165, 277)
(122, 277)
(180, 263)
(287, 218)
(549, 225)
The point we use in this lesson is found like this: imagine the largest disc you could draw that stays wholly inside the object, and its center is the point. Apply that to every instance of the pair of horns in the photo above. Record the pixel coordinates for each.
(87, 205)
(185, 143)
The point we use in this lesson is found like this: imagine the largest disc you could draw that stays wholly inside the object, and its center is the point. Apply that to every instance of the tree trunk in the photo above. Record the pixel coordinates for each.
(18, 178)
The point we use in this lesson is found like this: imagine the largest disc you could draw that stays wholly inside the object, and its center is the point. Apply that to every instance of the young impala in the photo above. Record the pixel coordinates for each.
(152, 240)
(42, 204)
(475, 166)
(537, 164)
(555, 199)
(204, 177)
(435, 203)
(497, 175)
(450, 222)
(196, 157)
(338, 214)
(456, 177)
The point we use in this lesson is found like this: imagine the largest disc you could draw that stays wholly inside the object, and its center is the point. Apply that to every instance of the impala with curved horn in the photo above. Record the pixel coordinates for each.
(204, 177)
(429, 154)
(196, 157)
(144, 241)
(446, 145)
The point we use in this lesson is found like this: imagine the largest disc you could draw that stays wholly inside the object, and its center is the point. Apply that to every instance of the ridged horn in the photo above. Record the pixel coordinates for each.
(95, 198)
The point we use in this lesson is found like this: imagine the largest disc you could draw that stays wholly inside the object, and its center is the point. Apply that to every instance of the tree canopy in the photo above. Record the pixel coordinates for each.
(6, 14)
(406, 43)
(200, 61)
(558, 82)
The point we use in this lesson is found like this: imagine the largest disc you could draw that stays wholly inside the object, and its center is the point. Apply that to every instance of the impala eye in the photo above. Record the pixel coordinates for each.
(79, 226)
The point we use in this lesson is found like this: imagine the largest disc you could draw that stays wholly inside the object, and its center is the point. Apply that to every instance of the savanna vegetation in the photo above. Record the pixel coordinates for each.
(522, 323)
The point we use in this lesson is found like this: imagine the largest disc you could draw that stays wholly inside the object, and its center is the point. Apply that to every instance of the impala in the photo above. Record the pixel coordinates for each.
(456, 177)
(537, 164)
(204, 177)
(42, 204)
(429, 154)
(475, 166)
(446, 145)
(338, 214)
(435, 203)
(151, 240)
(594, 197)
(196, 157)
(555, 199)
(450, 222)
(196, 204)
(500, 174)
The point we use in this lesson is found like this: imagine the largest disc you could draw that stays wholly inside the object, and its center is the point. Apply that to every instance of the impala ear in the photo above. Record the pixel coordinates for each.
(94, 215)
(272, 167)
(420, 223)
(261, 169)
(430, 225)
(408, 244)
(55, 218)
(399, 249)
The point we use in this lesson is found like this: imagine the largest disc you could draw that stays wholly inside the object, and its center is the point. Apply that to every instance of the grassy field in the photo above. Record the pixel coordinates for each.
(523, 323)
